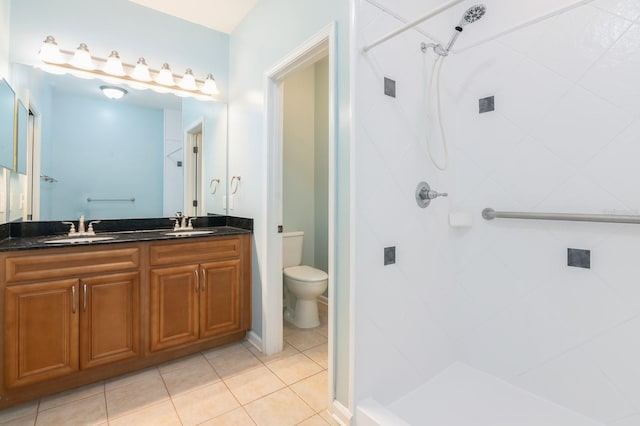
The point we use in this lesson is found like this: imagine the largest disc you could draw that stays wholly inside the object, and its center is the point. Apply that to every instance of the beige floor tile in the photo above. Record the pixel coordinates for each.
(319, 354)
(314, 421)
(71, 395)
(254, 384)
(136, 376)
(29, 420)
(232, 360)
(295, 368)
(323, 329)
(88, 411)
(22, 410)
(314, 391)
(281, 408)
(287, 351)
(305, 339)
(135, 396)
(187, 361)
(190, 378)
(327, 418)
(237, 417)
(204, 404)
(153, 415)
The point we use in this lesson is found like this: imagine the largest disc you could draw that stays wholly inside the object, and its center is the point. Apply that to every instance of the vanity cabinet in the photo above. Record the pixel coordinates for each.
(77, 315)
(196, 301)
(57, 327)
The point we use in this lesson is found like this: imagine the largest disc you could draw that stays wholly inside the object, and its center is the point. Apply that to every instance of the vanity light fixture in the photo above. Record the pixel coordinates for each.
(165, 77)
(112, 70)
(113, 92)
(188, 80)
(141, 71)
(82, 58)
(114, 65)
(210, 86)
(49, 52)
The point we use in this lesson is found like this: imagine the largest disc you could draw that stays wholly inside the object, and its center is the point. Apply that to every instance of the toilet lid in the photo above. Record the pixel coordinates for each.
(305, 273)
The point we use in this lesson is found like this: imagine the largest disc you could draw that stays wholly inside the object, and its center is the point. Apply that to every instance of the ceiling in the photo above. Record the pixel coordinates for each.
(219, 15)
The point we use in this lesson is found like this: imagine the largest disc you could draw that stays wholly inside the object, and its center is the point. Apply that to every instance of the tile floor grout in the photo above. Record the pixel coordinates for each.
(302, 369)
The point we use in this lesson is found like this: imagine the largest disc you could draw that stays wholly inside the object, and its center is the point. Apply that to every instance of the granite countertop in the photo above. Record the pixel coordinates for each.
(32, 235)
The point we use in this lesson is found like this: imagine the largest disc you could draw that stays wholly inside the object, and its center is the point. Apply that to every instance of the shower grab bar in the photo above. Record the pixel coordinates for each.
(91, 200)
(410, 25)
(490, 214)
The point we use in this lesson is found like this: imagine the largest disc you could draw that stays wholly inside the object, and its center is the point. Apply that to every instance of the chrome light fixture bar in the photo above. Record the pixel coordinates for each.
(112, 70)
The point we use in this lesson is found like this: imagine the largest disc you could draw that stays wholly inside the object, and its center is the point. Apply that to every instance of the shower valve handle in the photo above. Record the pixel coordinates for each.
(424, 194)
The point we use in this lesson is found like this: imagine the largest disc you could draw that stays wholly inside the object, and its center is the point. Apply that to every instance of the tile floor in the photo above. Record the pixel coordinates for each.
(232, 385)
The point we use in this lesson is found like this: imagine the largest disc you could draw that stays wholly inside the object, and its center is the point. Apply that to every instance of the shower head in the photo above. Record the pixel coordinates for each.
(473, 14)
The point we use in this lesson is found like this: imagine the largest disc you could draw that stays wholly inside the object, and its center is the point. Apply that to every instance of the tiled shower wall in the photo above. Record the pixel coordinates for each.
(565, 137)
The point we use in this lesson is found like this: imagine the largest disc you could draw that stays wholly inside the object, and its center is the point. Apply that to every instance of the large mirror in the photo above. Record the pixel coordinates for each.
(144, 155)
(7, 121)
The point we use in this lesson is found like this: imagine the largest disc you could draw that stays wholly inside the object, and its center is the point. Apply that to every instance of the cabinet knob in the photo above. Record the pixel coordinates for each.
(73, 299)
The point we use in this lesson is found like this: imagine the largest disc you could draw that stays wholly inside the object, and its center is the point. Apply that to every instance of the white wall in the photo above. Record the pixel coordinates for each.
(399, 342)
(268, 34)
(5, 12)
(564, 138)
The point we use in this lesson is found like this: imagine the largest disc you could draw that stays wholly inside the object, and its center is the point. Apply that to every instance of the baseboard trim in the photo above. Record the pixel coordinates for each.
(254, 339)
(340, 413)
(324, 300)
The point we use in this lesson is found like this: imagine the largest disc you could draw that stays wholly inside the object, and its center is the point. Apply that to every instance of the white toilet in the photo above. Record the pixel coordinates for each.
(302, 284)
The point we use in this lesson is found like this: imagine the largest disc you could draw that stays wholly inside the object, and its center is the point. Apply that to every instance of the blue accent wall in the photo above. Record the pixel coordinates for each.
(88, 133)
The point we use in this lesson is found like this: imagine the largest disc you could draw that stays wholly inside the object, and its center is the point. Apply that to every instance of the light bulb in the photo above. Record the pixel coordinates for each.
(188, 81)
(49, 52)
(165, 77)
(114, 65)
(210, 87)
(82, 58)
(141, 71)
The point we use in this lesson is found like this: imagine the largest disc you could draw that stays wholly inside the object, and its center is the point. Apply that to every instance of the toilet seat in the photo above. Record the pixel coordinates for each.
(305, 273)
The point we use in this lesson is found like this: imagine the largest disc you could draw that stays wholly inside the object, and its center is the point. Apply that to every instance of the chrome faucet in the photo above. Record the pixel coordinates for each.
(81, 228)
(182, 222)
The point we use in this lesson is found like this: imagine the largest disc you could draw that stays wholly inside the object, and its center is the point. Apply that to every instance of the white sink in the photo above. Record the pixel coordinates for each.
(189, 233)
(76, 240)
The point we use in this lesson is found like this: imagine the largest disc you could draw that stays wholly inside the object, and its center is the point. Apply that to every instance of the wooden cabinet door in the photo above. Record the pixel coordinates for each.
(220, 299)
(109, 319)
(41, 331)
(174, 306)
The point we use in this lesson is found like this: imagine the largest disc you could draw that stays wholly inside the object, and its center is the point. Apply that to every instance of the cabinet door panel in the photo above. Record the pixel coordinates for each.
(110, 319)
(174, 306)
(220, 298)
(41, 331)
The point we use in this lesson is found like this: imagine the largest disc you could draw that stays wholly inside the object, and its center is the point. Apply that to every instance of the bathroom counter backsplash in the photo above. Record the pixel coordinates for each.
(32, 235)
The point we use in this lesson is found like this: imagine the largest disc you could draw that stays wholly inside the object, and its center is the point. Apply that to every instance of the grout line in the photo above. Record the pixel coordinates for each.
(175, 410)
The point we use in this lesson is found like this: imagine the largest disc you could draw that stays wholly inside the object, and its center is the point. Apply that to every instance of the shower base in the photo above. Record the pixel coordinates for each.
(462, 396)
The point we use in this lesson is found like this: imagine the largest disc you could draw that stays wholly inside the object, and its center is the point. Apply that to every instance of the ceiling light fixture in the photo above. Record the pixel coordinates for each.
(113, 92)
(112, 70)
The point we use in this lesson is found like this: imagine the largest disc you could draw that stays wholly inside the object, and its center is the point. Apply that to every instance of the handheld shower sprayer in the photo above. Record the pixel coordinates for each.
(471, 15)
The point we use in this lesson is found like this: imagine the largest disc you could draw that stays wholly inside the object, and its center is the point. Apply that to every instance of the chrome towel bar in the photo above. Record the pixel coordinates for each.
(131, 200)
(490, 214)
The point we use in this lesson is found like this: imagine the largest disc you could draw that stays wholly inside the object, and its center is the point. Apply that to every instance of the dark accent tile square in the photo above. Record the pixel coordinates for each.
(389, 255)
(487, 104)
(389, 87)
(579, 258)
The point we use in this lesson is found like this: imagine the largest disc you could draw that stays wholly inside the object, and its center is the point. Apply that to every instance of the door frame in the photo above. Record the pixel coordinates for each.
(189, 178)
(319, 46)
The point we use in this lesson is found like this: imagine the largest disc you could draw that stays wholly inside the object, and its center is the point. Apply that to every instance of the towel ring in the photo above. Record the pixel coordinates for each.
(215, 187)
(235, 179)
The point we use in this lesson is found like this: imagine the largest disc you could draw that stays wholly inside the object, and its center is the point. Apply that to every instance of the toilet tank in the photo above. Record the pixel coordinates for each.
(292, 248)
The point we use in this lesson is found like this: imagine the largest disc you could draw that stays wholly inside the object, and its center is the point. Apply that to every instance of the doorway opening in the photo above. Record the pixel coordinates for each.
(194, 196)
(310, 54)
